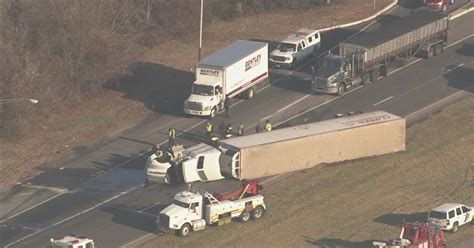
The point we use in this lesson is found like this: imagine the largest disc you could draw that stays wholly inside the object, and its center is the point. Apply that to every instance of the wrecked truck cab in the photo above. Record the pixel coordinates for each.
(157, 167)
(201, 164)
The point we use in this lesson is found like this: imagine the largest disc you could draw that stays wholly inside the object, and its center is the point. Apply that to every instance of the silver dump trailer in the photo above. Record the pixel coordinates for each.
(366, 56)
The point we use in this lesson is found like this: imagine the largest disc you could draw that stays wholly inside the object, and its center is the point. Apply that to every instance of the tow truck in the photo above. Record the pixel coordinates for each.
(71, 241)
(194, 210)
(415, 235)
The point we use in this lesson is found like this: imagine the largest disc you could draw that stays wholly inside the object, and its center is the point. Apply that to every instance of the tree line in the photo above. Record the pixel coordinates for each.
(65, 51)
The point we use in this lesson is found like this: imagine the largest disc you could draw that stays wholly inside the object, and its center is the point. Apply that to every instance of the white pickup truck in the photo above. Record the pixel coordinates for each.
(295, 48)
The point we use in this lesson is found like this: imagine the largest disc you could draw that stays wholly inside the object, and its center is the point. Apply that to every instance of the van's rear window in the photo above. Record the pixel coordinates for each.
(437, 215)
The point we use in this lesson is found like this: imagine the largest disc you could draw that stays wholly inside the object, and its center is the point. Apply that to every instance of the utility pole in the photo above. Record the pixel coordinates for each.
(200, 32)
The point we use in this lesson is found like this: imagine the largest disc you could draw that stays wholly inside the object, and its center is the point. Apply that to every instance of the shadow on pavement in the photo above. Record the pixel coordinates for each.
(130, 217)
(460, 78)
(161, 88)
(397, 219)
(467, 50)
(337, 243)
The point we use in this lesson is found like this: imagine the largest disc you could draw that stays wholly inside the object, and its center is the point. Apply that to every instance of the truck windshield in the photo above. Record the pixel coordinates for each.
(203, 90)
(181, 204)
(329, 68)
(286, 47)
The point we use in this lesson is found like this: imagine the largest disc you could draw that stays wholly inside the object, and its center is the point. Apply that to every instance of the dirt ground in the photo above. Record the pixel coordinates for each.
(71, 131)
(353, 203)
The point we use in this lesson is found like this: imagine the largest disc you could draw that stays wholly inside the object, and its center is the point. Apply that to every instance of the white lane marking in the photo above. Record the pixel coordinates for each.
(398, 69)
(28, 209)
(77, 214)
(384, 100)
(454, 68)
(320, 105)
(438, 102)
(142, 239)
(154, 204)
(53, 189)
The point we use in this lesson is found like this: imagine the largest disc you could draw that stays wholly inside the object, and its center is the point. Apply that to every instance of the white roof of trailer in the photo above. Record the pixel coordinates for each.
(231, 54)
(309, 129)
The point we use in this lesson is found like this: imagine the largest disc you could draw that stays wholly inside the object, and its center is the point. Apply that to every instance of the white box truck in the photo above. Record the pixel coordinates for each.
(241, 67)
(284, 150)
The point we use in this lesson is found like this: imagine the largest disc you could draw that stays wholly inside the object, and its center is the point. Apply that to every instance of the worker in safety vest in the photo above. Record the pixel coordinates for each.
(268, 126)
(171, 137)
(228, 130)
(240, 130)
(209, 129)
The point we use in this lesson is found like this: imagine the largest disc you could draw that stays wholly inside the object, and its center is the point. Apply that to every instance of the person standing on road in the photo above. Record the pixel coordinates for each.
(258, 128)
(209, 129)
(268, 126)
(171, 137)
(227, 107)
(240, 130)
(228, 130)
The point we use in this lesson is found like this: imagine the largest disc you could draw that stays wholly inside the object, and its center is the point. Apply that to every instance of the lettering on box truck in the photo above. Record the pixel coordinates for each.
(209, 72)
(251, 63)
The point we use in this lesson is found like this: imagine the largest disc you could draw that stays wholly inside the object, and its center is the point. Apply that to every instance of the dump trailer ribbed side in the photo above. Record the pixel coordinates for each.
(301, 147)
(397, 38)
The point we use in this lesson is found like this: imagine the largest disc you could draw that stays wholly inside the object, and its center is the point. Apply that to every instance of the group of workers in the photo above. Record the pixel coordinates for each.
(224, 129)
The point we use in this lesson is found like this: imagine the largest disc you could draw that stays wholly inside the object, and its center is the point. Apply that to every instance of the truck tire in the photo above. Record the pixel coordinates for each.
(455, 227)
(383, 70)
(184, 231)
(374, 75)
(257, 213)
(436, 50)
(294, 64)
(213, 113)
(249, 93)
(364, 78)
(429, 52)
(244, 216)
(341, 89)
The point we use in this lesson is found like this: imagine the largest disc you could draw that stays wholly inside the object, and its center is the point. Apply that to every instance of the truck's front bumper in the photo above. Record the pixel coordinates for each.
(275, 64)
(325, 89)
(198, 112)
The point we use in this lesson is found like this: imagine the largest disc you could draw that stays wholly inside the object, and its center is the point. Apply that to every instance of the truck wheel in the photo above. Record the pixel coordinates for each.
(249, 94)
(383, 70)
(244, 216)
(213, 112)
(257, 213)
(374, 75)
(341, 89)
(435, 50)
(430, 52)
(455, 227)
(294, 64)
(364, 78)
(185, 230)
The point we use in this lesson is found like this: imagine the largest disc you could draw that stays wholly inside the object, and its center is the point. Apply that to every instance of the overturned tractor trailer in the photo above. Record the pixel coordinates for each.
(366, 56)
(283, 150)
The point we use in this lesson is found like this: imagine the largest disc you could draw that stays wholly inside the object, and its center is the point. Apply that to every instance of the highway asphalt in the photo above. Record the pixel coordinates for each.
(100, 194)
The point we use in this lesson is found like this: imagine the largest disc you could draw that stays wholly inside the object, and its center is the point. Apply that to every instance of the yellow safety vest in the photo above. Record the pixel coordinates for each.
(268, 127)
(172, 133)
(209, 127)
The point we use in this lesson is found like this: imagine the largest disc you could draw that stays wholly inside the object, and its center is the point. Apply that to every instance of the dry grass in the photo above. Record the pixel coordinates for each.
(56, 136)
(350, 204)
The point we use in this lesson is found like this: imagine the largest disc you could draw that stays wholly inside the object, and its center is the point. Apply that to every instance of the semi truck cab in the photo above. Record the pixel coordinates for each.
(71, 241)
(334, 75)
(184, 214)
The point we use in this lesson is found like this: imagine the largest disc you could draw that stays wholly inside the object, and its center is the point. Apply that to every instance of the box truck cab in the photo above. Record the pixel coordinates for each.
(241, 67)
